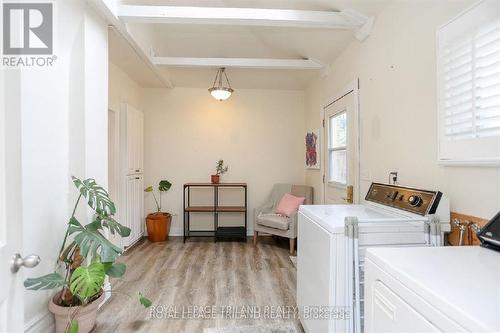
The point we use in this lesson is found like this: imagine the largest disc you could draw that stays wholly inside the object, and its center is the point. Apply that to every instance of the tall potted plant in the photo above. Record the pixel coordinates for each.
(158, 223)
(85, 258)
(220, 169)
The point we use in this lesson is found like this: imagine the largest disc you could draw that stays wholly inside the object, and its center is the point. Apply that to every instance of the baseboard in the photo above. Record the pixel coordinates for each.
(42, 323)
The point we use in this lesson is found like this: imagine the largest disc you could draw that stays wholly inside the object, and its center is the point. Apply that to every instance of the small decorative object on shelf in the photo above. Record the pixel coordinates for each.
(85, 258)
(220, 170)
(158, 224)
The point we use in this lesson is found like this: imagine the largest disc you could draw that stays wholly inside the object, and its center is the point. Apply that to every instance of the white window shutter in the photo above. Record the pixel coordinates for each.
(469, 86)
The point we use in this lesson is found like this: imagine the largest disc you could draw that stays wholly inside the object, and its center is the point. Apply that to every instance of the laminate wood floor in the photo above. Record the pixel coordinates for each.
(202, 273)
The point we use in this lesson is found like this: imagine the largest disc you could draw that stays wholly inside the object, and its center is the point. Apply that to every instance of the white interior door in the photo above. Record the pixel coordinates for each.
(11, 292)
(341, 148)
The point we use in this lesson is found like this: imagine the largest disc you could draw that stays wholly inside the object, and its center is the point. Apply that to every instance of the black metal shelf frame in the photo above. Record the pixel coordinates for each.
(239, 232)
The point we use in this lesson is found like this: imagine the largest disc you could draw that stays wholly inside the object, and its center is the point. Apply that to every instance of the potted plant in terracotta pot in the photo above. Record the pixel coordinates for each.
(158, 223)
(220, 170)
(85, 258)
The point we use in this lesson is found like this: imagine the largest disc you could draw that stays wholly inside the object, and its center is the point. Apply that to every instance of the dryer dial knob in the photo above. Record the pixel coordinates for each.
(415, 200)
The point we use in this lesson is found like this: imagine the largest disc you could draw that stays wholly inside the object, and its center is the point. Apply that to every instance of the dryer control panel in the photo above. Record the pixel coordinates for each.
(413, 200)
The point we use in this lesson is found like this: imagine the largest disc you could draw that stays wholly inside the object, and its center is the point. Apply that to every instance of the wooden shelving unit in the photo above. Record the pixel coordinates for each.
(217, 231)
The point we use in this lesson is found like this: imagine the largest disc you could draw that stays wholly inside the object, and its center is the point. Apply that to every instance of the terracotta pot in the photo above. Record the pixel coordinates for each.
(215, 179)
(86, 315)
(158, 226)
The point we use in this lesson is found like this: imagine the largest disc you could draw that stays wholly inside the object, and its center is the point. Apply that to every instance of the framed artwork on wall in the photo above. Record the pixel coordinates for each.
(312, 157)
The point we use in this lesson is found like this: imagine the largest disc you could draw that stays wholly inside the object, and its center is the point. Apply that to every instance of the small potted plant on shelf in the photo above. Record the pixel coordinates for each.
(158, 223)
(220, 170)
(85, 258)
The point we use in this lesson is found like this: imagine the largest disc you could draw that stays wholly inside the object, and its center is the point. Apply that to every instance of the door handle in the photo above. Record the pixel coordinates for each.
(29, 262)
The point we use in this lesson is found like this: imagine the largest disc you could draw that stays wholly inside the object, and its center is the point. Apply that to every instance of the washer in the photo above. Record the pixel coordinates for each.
(332, 241)
(439, 289)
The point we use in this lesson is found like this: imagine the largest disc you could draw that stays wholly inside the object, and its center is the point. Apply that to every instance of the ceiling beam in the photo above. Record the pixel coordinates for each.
(103, 7)
(297, 64)
(241, 16)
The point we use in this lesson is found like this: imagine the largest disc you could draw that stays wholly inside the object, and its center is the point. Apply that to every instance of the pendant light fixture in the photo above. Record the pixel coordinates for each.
(218, 90)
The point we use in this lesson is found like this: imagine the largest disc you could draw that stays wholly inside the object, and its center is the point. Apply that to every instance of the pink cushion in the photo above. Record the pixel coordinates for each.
(289, 204)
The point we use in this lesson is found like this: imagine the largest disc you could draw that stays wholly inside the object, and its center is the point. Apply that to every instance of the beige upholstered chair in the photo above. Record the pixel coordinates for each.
(266, 221)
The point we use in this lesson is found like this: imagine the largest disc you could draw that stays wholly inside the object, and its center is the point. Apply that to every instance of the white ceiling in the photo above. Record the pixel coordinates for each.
(177, 40)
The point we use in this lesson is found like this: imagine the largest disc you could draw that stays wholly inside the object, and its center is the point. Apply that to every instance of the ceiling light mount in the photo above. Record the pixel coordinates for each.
(219, 91)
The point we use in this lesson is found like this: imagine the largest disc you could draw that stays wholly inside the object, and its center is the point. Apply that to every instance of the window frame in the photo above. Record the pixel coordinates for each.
(461, 152)
(337, 148)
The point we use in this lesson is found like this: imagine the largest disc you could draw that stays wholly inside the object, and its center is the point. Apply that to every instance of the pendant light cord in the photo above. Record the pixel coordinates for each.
(218, 77)
(228, 83)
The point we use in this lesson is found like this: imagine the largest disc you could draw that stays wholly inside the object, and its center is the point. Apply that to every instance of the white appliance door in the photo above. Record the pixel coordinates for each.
(391, 314)
(314, 274)
(11, 292)
(393, 308)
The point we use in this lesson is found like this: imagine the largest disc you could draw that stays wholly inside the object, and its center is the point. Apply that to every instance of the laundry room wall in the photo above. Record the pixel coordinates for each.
(396, 67)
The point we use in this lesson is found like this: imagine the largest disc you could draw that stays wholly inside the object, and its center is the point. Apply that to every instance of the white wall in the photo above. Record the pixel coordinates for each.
(259, 133)
(122, 89)
(64, 133)
(397, 71)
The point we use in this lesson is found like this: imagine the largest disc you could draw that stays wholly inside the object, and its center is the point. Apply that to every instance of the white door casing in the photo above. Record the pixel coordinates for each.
(11, 293)
(345, 106)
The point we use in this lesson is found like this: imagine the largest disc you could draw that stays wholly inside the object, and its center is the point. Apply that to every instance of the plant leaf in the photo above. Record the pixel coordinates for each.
(116, 269)
(148, 189)
(67, 250)
(92, 242)
(73, 327)
(87, 281)
(164, 185)
(111, 224)
(144, 301)
(49, 281)
(97, 197)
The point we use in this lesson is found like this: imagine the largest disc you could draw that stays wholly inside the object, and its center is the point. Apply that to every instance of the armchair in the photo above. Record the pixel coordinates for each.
(266, 221)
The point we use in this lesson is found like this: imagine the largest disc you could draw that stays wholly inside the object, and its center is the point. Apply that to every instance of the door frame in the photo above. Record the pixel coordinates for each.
(116, 153)
(352, 87)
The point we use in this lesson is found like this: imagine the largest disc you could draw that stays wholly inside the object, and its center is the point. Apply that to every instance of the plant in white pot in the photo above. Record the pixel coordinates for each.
(85, 258)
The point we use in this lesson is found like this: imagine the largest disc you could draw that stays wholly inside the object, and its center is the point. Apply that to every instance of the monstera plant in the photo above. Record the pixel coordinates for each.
(85, 258)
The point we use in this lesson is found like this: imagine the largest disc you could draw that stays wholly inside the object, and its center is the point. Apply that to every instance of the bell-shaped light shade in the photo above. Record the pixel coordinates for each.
(221, 94)
(219, 90)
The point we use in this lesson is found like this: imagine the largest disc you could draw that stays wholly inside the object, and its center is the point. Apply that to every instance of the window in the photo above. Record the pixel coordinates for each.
(469, 86)
(337, 148)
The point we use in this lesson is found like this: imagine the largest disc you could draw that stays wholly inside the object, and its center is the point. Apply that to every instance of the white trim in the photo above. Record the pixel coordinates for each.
(472, 163)
(352, 87)
(462, 161)
(43, 322)
(461, 13)
(346, 19)
(304, 64)
(109, 14)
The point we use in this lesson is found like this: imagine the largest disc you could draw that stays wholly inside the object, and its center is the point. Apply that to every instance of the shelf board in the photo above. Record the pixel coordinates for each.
(232, 209)
(218, 185)
(211, 209)
(200, 209)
